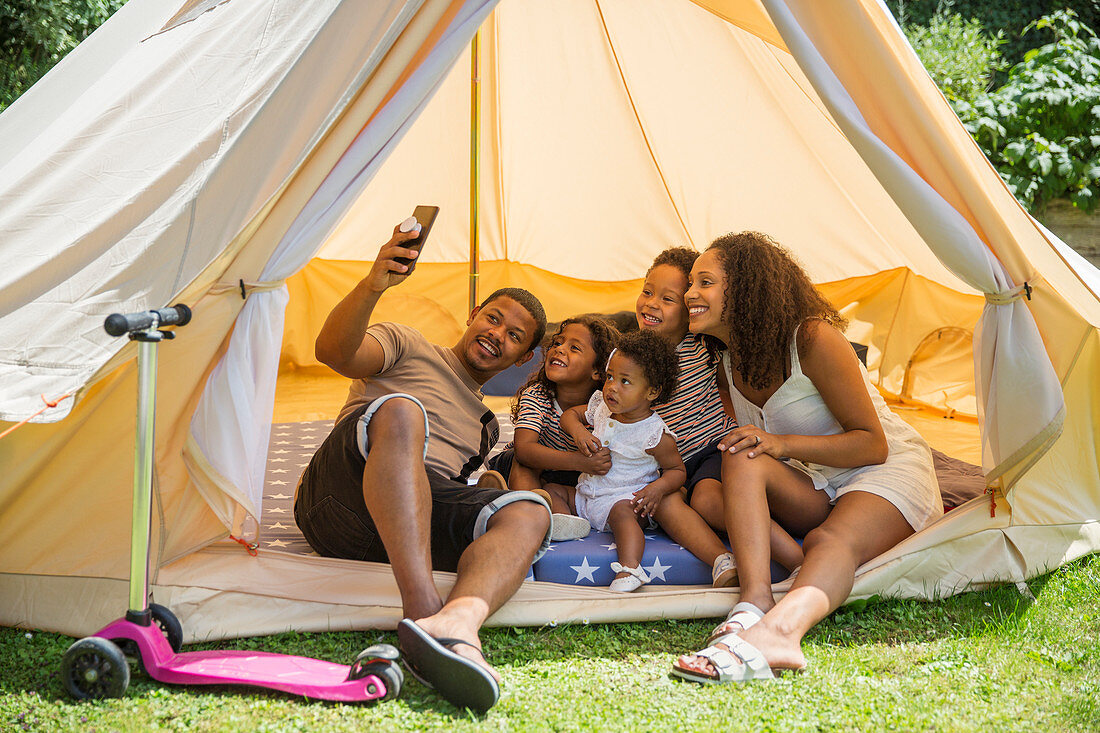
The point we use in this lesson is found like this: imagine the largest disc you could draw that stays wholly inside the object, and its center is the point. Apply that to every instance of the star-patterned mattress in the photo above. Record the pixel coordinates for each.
(577, 562)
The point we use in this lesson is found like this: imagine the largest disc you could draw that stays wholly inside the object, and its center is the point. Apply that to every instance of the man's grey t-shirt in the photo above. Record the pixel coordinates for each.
(461, 428)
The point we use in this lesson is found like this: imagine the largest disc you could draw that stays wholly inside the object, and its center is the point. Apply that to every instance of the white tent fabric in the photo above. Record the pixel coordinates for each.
(152, 190)
(189, 149)
(237, 448)
(1009, 357)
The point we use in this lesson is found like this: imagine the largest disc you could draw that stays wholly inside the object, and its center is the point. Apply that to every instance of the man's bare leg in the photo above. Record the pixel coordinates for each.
(489, 572)
(397, 495)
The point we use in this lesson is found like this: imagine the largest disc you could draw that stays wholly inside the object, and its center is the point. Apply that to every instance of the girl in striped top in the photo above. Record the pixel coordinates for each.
(542, 455)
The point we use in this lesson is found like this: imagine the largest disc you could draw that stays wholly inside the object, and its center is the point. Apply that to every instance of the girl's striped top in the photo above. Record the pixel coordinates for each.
(694, 413)
(539, 411)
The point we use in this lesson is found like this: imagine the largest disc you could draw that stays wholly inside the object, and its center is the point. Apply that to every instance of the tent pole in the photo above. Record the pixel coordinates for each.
(475, 163)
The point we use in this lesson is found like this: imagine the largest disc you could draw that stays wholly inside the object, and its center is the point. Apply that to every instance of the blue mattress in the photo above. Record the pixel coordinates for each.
(588, 562)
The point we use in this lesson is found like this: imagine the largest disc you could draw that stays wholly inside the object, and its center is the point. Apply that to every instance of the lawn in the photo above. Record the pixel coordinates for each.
(1008, 658)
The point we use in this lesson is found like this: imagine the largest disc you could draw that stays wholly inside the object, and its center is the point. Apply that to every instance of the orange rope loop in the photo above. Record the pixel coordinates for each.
(49, 404)
(250, 546)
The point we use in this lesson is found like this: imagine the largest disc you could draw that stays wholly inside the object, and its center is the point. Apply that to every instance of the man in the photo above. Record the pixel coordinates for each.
(389, 484)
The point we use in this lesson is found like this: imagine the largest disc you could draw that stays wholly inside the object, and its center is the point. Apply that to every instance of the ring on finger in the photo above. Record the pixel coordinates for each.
(757, 440)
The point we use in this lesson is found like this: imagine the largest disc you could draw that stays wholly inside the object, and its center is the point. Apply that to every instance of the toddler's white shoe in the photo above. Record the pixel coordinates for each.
(632, 582)
(568, 527)
(723, 573)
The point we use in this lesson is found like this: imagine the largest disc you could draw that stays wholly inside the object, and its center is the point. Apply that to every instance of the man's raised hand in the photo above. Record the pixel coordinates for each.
(386, 271)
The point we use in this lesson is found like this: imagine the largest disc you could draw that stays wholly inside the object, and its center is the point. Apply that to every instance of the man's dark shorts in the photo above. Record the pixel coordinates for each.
(330, 511)
(705, 464)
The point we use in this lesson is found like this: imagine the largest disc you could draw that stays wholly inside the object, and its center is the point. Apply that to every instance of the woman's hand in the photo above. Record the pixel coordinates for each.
(756, 441)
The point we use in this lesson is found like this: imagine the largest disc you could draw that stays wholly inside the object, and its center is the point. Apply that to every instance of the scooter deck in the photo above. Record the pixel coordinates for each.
(311, 678)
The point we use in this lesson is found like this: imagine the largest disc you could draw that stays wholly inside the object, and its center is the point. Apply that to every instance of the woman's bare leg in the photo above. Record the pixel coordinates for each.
(754, 491)
(860, 527)
(708, 502)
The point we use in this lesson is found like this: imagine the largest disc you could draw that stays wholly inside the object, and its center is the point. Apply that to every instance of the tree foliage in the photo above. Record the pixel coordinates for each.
(1009, 17)
(958, 53)
(1042, 128)
(36, 34)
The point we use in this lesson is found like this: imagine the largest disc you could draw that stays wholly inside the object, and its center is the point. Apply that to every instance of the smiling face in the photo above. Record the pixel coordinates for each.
(571, 357)
(660, 307)
(706, 296)
(498, 335)
(626, 390)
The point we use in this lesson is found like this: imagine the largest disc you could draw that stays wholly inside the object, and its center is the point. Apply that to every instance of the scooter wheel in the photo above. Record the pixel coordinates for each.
(381, 661)
(95, 668)
(169, 625)
(390, 673)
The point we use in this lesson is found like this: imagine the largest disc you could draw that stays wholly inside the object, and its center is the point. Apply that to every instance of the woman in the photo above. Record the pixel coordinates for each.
(817, 450)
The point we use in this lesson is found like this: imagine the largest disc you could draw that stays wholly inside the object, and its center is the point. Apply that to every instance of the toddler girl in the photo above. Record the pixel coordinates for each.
(542, 456)
(645, 465)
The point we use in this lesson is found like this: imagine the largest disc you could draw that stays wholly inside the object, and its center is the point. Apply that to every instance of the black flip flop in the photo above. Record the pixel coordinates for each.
(461, 681)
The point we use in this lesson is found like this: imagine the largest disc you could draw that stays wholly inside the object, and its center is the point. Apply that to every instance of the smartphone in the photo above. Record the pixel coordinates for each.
(425, 217)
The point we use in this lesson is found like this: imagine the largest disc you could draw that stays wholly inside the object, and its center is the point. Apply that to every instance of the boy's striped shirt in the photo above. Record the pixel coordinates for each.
(695, 414)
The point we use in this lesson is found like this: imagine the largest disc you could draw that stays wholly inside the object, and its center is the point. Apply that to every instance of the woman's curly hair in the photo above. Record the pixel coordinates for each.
(682, 258)
(656, 357)
(768, 295)
(605, 337)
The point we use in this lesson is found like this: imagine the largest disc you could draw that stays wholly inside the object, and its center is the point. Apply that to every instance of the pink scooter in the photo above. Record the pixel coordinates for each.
(96, 666)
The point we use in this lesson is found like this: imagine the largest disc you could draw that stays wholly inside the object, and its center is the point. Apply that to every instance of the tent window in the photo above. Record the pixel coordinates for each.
(940, 372)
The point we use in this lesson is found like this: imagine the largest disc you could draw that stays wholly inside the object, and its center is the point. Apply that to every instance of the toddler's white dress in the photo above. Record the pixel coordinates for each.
(631, 467)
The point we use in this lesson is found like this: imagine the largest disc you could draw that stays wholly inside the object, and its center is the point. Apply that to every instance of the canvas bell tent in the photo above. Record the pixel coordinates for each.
(249, 159)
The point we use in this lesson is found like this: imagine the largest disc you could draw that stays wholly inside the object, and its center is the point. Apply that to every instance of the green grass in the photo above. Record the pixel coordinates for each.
(994, 660)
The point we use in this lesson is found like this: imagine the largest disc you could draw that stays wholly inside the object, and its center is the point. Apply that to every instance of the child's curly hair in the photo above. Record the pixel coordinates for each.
(768, 295)
(656, 357)
(605, 337)
(682, 258)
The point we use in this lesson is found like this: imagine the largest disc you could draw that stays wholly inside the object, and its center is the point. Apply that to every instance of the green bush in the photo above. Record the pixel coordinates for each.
(959, 55)
(1007, 16)
(36, 34)
(1042, 128)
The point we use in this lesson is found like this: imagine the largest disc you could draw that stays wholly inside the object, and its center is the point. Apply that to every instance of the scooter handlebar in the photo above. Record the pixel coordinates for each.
(118, 324)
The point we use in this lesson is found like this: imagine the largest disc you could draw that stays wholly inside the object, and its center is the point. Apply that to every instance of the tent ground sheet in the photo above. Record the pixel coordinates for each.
(577, 562)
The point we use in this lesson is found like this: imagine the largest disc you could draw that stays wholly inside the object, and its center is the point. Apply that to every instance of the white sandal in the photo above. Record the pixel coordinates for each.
(744, 614)
(723, 573)
(632, 582)
(740, 662)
